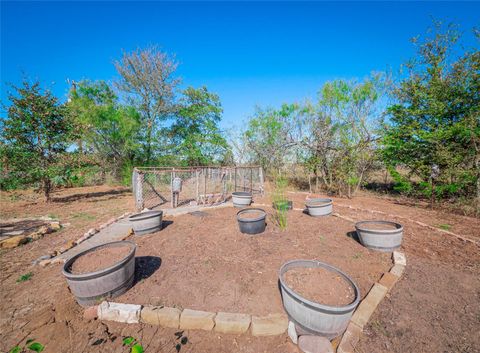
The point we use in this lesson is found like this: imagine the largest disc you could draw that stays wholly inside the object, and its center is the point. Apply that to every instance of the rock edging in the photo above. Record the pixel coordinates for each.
(72, 243)
(367, 306)
(188, 319)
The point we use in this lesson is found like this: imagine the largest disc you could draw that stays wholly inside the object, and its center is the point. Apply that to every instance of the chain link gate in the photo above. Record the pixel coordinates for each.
(175, 187)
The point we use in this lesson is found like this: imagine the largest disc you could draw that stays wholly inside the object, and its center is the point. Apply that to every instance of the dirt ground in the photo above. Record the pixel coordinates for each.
(435, 307)
(203, 261)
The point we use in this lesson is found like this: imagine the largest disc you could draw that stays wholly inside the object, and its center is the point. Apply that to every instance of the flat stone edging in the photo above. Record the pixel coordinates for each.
(367, 306)
(188, 319)
(52, 259)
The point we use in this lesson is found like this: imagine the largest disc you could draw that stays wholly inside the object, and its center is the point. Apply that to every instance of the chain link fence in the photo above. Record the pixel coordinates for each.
(176, 187)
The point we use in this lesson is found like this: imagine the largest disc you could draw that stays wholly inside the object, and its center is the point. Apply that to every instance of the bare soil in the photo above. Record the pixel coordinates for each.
(210, 265)
(320, 285)
(378, 226)
(99, 259)
(435, 307)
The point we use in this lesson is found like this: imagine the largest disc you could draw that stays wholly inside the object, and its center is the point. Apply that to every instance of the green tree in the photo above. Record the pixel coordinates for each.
(268, 137)
(110, 131)
(196, 136)
(147, 79)
(433, 129)
(35, 137)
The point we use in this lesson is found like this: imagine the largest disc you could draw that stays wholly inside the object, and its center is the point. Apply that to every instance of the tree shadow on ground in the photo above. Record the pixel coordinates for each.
(145, 266)
(354, 235)
(76, 197)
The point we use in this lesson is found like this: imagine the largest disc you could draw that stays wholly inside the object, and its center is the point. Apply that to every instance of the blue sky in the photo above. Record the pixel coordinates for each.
(249, 53)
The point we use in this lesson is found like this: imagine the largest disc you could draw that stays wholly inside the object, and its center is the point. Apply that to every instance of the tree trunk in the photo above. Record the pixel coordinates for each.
(47, 188)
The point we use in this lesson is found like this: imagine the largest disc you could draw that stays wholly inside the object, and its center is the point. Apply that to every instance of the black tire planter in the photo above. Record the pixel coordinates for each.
(385, 240)
(252, 225)
(283, 205)
(241, 199)
(312, 317)
(93, 287)
(146, 222)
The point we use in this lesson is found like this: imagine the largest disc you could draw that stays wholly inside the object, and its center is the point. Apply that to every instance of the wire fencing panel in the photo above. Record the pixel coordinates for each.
(154, 187)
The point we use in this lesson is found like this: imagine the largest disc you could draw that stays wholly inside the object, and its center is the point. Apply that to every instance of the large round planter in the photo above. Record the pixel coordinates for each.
(146, 222)
(241, 199)
(319, 207)
(315, 318)
(386, 240)
(93, 287)
(252, 225)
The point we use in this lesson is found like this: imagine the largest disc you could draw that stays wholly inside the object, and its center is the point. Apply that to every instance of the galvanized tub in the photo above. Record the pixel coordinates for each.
(315, 318)
(252, 225)
(146, 222)
(241, 198)
(91, 288)
(319, 207)
(386, 240)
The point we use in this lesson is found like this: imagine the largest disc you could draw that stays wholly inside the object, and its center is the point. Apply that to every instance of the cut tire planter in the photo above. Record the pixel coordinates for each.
(385, 240)
(315, 318)
(241, 199)
(254, 225)
(319, 207)
(146, 222)
(93, 287)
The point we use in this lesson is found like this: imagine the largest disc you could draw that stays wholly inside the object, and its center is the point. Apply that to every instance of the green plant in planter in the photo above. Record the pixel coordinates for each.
(280, 201)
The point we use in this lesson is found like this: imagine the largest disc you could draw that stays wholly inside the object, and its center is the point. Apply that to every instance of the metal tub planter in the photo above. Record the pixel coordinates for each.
(383, 236)
(252, 220)
(146, 222)
(312, 317)
(93, 287)
(241, 199)
(319, 207)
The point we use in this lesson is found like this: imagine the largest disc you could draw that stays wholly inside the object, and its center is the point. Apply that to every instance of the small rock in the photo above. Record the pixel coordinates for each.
(57, 260)
(41, 258)
(127, 313)
(91, 313)
(55, 225)
(45, 262)
(13, 242)
(399, 258)
(314, 344)
(91, 231)
(292, 332)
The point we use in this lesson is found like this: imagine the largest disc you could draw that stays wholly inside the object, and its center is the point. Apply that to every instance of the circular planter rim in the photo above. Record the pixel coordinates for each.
(242, 194)
(144, 215)
(337, 309)
(89, 275)
(250, 210)
(325, 202)
(398, 227)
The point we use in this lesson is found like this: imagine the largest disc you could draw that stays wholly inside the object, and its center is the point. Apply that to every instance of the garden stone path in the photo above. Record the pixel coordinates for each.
(114, 232)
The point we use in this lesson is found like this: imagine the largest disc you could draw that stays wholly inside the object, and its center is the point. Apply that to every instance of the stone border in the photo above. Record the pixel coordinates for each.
(367, 306)
(188, 319)
(51, 225)
(51, 258)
